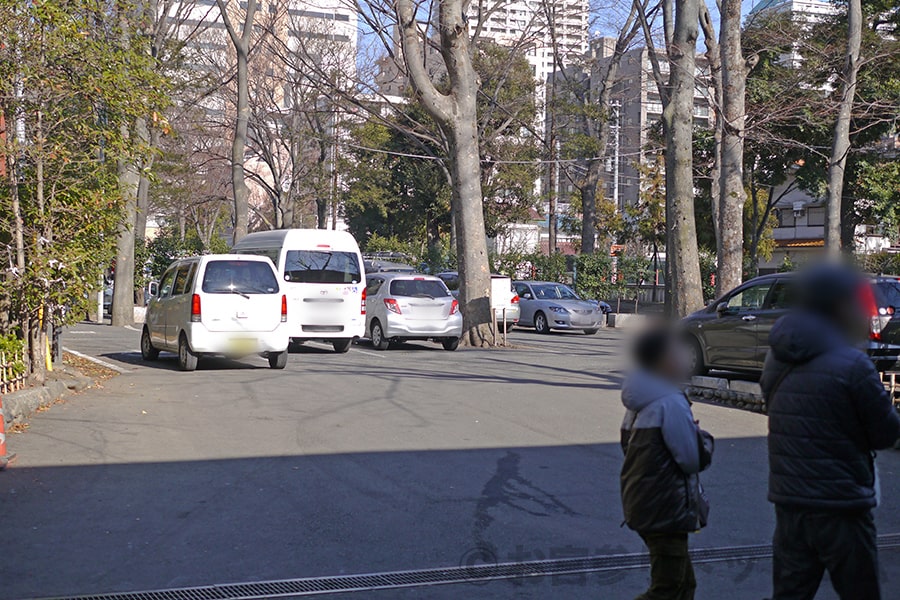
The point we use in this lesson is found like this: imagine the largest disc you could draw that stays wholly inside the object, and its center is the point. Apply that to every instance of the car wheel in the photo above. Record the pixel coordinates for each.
(187, 360)
(341, 346)
(540, 323)
(590, 331)
(377, 336)
(450, 344)
(695, 357)
(278, 360)
(148, 352)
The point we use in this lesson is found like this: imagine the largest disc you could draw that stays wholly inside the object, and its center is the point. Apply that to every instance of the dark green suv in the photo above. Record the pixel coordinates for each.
(732, 333)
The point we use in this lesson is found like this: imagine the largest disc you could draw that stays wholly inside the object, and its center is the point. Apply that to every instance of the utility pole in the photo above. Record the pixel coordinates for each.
(615, 107)
(553, 177)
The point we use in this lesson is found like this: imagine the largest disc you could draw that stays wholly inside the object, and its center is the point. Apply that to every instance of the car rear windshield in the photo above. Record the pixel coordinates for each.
(419, 288)
(887, 293)
(239, 277)
(550, 291)
(321, 266)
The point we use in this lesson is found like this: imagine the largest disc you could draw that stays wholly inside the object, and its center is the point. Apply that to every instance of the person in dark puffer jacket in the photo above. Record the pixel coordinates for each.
(664, 451)
(828, 413)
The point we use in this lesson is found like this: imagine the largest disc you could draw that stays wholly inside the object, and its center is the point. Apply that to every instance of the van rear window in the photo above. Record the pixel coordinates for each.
(321, 266)
(239, 277)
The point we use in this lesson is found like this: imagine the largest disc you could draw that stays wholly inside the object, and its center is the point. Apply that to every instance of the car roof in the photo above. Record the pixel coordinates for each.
(528, 281)
(456, 274)
(211, 257)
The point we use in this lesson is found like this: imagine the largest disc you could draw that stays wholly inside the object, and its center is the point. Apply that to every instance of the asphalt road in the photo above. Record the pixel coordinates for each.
(360, 463)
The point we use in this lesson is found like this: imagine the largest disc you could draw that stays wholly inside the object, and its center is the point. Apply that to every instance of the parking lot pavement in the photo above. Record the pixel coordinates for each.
(359, 463)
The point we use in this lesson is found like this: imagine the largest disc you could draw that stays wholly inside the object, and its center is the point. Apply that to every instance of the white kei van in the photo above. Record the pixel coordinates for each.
(322, 272)
(220, 304)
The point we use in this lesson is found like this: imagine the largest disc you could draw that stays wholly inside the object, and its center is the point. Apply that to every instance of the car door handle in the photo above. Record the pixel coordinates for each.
(748, 318)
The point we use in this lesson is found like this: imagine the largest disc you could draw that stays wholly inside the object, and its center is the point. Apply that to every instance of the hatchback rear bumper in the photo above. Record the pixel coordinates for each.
(400, 327)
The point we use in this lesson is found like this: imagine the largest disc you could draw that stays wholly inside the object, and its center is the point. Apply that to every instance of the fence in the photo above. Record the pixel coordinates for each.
(12, 372)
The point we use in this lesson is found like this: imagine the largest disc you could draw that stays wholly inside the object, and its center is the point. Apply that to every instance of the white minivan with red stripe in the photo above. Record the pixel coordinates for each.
(222, 304)
(323, 275)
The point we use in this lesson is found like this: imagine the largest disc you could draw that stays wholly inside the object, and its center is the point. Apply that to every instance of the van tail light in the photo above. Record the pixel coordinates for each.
(454, 307)
(392, 305)
(515, 299)
(362, 303)
(878, 318)
(195, 308)
(283, 308)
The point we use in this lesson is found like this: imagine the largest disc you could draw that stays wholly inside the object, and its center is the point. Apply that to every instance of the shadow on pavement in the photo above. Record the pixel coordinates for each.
(152, 525)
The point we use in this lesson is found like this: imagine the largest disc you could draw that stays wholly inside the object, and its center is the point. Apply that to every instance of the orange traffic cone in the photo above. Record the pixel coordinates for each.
(4, 458)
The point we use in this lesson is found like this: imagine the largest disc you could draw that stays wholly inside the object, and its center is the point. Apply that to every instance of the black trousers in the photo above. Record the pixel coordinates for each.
(809, 542)
(671, 572)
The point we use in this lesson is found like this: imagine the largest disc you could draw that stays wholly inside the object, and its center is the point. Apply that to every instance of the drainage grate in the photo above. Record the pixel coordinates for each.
(312, 586)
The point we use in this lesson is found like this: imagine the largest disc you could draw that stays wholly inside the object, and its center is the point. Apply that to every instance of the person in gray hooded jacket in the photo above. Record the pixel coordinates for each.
(665, 449)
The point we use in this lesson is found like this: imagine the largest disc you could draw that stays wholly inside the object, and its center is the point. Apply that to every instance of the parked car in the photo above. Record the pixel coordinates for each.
(732, 333)
(405, 307)
(230, 305)
(324, 279)
(547, 305)
(503, 296)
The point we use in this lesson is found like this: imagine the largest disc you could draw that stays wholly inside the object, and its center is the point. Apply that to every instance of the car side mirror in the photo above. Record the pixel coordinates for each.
(722, 308)
(153, 289)
(526, 296)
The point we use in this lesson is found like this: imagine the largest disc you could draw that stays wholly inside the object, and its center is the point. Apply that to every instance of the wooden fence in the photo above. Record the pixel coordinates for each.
(12, 372)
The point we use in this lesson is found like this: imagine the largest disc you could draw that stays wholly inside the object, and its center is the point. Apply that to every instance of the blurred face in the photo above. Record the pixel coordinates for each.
(675, 365)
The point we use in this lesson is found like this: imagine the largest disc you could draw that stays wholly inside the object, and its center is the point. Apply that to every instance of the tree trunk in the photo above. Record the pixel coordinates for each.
(241, 43)
(732, 196)
(682, 257)
(840, 145)
(122, 311)
(589, 206)
(239, 143)
(455, 113)
(714, 58)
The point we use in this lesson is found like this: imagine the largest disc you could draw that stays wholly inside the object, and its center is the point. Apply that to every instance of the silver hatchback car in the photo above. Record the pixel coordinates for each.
(402, 306)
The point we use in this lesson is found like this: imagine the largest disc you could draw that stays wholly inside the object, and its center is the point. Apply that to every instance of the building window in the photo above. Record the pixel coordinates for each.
(815, 217)
(786, 218)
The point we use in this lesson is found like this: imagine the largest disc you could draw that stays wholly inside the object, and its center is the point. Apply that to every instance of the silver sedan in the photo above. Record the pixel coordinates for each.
(401, 307)
(548, 305)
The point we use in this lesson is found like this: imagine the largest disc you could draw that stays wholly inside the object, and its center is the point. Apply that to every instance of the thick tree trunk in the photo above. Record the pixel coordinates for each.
(840, 145)
(732, 196)
(714, 58)
(455, 113)
(589, 206)
(685, 291)
(122, 311)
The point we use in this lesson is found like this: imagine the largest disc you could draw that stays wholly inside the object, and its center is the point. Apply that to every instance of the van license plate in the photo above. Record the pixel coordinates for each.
(243, 345)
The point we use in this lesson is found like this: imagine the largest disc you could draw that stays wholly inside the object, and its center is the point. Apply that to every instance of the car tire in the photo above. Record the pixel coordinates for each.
(187, 359)
(501, 328)
(379, 341)
(148, 352)
(540, 323)
(278, 360)
(590, 331)
(450, 344)
(342, 345)
(695, 357)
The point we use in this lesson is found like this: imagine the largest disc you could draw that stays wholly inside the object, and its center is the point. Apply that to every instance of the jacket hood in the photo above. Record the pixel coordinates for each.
(799, 337)
(641, 389)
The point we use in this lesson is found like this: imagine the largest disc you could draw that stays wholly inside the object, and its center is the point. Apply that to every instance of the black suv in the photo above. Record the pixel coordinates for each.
(732, 333)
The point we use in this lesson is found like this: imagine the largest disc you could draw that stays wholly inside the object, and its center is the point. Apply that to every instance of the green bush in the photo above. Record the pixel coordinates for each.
(10, 347)
(881, 263)
(594, 276)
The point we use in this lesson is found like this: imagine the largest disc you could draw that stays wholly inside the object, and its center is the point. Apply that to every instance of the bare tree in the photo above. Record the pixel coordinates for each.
(241, 42)
(840, 145)
(732, 196)
(680, 29)
(455, 113)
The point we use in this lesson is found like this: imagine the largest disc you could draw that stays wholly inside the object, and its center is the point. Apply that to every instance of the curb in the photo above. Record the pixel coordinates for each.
(19, 406)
